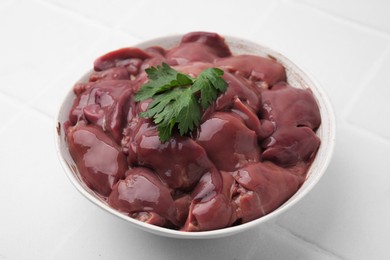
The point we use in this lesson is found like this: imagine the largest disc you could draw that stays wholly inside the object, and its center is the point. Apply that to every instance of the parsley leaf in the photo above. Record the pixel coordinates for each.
(210, 84)
(161, 78)
(175, 101)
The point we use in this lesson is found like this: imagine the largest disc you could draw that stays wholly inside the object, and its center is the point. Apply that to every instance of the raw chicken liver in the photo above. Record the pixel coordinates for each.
(250, 153)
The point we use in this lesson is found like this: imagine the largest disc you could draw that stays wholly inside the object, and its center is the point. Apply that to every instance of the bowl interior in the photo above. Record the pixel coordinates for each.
(297, 77)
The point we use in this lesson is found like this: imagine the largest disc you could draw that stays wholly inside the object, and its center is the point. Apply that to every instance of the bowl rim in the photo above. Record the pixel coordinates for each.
(233, 42)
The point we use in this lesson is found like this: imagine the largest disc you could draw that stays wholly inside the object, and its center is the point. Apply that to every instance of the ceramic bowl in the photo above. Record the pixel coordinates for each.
(297, 77)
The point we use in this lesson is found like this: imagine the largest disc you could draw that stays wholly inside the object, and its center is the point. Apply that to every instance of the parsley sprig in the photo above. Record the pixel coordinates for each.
(176, 102)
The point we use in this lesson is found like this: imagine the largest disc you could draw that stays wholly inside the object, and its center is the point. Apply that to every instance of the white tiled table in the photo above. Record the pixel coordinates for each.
(46, 45)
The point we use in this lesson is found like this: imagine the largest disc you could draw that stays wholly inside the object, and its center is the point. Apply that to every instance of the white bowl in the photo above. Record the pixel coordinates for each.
(297, 77)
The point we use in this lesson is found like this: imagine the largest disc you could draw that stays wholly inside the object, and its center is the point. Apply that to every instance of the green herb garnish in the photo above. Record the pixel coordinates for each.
(175, 97)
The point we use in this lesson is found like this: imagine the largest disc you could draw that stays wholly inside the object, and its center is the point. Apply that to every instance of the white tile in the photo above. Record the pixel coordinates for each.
(372, 13)
(37, 44)
(159, 18)
(39, 207)
(108, 13)
(337, 54)
(371, 110)
(348, 212)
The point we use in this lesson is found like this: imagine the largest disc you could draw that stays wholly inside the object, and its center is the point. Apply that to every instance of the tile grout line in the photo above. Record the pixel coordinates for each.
(54, 251)
(87, 19)
(118, 27)
(267, 12)
(72, 12)
(342, 19)
(368, 132)
(293, 236)
(23, 108)
(365, 83)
